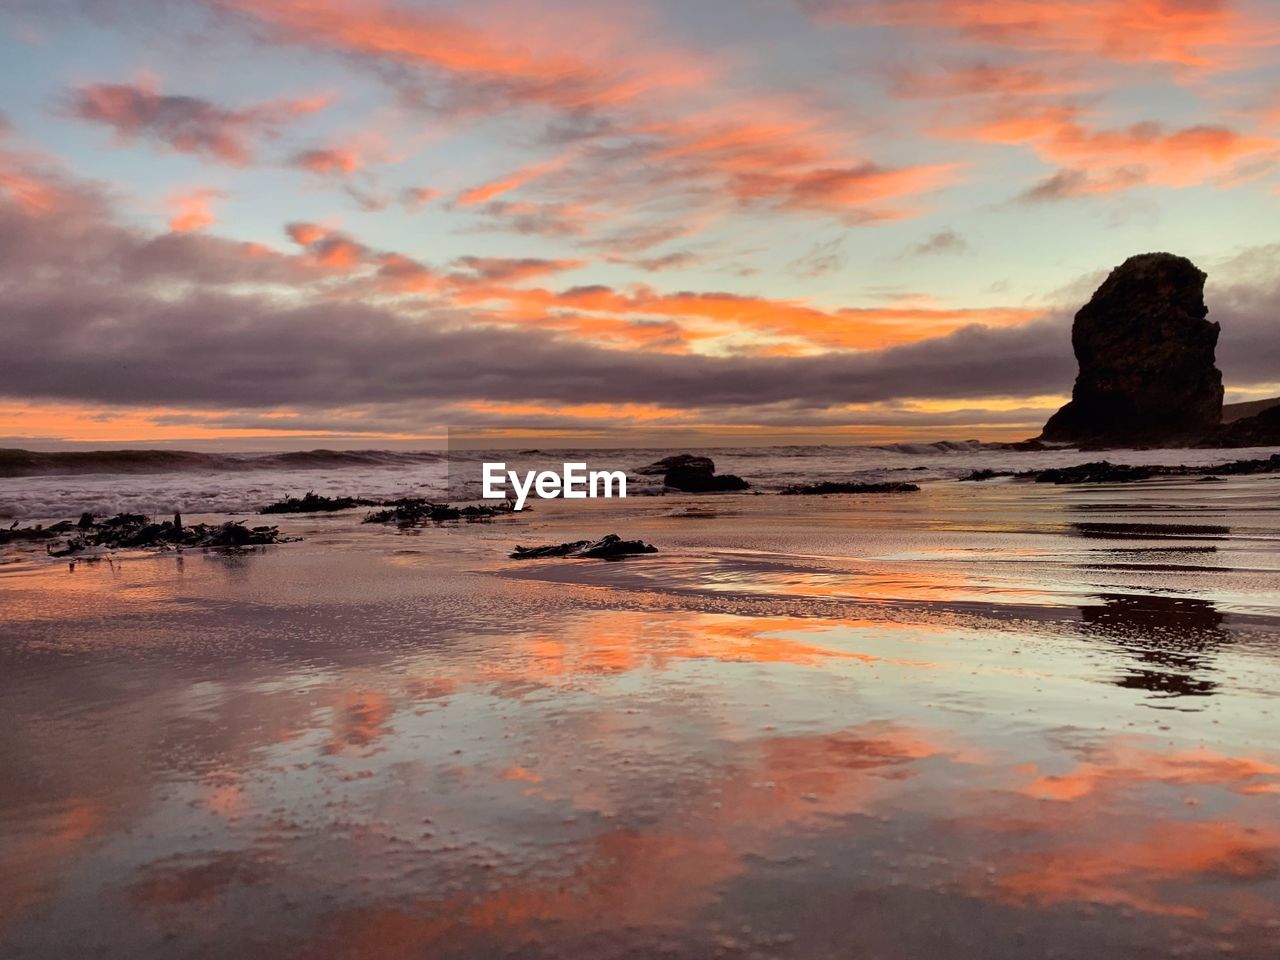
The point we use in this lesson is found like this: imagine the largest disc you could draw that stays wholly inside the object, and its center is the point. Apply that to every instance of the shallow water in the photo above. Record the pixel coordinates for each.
(230, 484)
(986, 720)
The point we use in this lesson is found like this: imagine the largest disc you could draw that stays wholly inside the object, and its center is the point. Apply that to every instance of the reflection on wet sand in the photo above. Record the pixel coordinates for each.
(1151, 531)
(890, 744)
(1173, 640)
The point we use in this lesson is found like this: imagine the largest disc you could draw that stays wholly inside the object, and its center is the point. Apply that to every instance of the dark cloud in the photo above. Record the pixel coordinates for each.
(212, 348)
(539, 219)
(1065, 184)
(822, 257)
(945, 241)
(185, 124)
(100, 313)
(415, 198)
(511, 269)
(1057, 186)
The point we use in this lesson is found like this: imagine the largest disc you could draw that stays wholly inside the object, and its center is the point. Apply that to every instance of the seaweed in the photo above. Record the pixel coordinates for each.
(412, 511)
(314, 503)
(134, 531)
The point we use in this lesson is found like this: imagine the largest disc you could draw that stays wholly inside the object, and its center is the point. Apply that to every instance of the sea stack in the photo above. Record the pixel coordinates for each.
(1146, 354)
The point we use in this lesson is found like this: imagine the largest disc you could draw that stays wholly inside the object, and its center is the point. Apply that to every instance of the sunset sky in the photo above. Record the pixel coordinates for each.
(328, 222)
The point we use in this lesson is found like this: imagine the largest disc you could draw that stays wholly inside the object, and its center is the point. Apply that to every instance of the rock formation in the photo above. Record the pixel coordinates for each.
(1260, 430)
(697, 479)
(692, 474)
(681, 461)
(1146, 354)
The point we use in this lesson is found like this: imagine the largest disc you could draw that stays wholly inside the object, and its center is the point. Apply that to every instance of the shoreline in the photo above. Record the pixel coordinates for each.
(1008, 701)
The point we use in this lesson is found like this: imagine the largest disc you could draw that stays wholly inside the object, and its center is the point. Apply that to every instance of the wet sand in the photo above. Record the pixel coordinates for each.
(985, 720)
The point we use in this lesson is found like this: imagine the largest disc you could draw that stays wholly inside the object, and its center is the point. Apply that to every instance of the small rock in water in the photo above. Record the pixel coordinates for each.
(679, 461)
(694, 474)
(833, 486)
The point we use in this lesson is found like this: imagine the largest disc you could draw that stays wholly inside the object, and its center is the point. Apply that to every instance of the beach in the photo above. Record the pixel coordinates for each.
(999, 719)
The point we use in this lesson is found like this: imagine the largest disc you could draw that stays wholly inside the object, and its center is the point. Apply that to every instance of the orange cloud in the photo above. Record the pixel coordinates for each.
(642, 316)
(536, 64)
(35, 196)
(328, 247)
(192, 210)
(496, 188)
(770, 153)
(328, 161)
(1105, 160)
(845, 187)
(706, 315)
(1201, 34)
(305, 233)
(756, 150)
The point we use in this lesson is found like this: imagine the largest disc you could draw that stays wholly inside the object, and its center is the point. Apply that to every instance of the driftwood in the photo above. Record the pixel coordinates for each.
(608, 547)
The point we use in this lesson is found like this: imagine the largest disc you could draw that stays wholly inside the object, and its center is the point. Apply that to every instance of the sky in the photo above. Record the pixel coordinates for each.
(617, 222)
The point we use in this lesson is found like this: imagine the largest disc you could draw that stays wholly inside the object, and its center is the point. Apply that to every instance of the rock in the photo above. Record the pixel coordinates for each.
(1103, 471)
(1260, 430)
(692, 474)
(680, 460)
(694, 481)
(985, 474)
(1146, 354)
(838, 487)
(609, 547)
(1099, 471)
(1269, 464)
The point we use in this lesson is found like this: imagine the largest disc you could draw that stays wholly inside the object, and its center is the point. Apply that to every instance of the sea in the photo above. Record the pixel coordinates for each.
(38, 486)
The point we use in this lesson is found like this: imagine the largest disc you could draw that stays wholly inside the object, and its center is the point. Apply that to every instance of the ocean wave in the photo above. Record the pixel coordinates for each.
(57, 486)
(938, 446)
(32, 463)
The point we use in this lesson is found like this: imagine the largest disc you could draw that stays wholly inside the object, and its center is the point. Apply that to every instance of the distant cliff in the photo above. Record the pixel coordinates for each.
(1231, 412)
